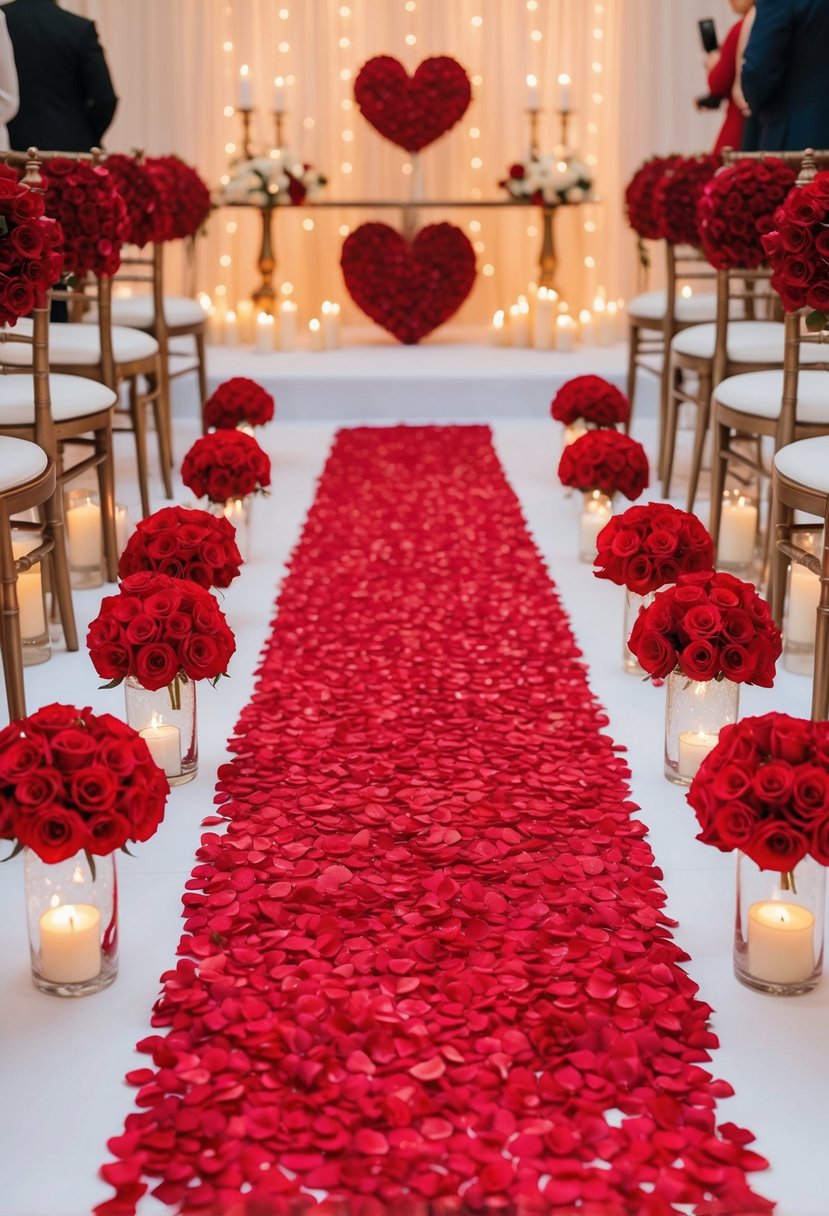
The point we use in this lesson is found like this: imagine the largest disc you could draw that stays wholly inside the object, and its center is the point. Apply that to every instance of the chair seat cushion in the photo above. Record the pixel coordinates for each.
(748, 342)
(137, 311)
(77, 345)
(806, 462)
(20, 461)
(651, 305)
(72, 397)
(761, 394)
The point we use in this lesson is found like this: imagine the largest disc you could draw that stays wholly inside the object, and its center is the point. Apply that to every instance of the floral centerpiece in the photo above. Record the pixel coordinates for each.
(281, 179)
(226, 465)
(551, 180)
(591, 400)
(237, 401)
(736, 210)
(183, 543)
(651, 546)
(84, 199)
(605, 461)
(185, 201)
(640, 196)
(676, 194)
(31, 250)
(139, 189)
(798, 251)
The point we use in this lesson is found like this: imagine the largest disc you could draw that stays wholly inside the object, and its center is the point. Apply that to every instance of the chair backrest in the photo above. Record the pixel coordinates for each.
(686, 264)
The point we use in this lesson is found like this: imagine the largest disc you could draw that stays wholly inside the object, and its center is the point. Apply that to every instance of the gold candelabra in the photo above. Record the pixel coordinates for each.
(564, 119)
(247, 115)
(534, 145)
(278, 119)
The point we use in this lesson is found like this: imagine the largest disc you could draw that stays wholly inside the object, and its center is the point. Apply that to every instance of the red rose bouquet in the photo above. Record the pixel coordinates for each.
(676, 195)
(595, 400)
(71, 780)
(649, 546)
(640, 196)
(31, 250)
(605, 460)
(798, 250)
(710, 626)
(226, 464)
(238, 400)
(160, 630)
(139, 190)
(737, 209)
(183, 543)
(84, 199)
(764, 789)
(184, 199)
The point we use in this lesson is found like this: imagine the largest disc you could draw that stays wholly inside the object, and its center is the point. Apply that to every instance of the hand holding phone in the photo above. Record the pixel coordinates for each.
(708, 34)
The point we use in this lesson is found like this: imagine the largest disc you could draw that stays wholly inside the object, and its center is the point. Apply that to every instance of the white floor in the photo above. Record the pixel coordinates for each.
(62, 1062)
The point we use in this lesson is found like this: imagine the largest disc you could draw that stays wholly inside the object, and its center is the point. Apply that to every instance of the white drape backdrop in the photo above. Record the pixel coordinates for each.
(635, 67)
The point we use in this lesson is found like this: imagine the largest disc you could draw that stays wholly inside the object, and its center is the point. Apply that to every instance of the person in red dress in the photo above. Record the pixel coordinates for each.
(722, 76)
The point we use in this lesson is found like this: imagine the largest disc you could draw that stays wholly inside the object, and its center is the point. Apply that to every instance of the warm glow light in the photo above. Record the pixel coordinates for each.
(474, 225)
(287, 289)
(345, 11)
(536, 35)
(477, 22)
(563, 78)
(488, 270)
(227, 46)
(244, 71)
(308, 225)
(532, 81)
(230, 148)
(346, 167)
(477, 80)
(229, 111)
(225, 259)
(532, 230)
(476, 162)
(308, 124)
(345, 42)
(479, 246)
(343, 229)
(590, 263)
(410, 40)
(589, 226)
(284, 47)
(474, 133)
(346, 104)
(345, 74)
(348, 136)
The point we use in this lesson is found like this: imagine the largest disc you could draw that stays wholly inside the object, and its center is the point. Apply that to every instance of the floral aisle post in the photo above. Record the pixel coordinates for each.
(647, 548)
(84, 199)
(74, 787)
(183, 542)
(588, 402)
(736, 208)
(31, 250)
(640, 200)
(706, 635)
(602, 463)
(798, 251)
(184, 199)
(228, 467)
(764, 792)
(238, 403)
(676, 195)
(160, 635)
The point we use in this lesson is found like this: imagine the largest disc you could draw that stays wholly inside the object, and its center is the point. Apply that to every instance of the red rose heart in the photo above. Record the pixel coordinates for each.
(409, 289)
(412, 111)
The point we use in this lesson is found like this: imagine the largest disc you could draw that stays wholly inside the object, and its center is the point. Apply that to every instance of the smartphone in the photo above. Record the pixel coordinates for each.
(708, 34)
(709, 102)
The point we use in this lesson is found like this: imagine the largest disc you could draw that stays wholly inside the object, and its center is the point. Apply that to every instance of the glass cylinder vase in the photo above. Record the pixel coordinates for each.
(72, 913)
(84, 539)
(800, 627)
(633, 603)
(34, 627)
(778, 929)
(596, 511)
(695, 712)
(166, 720)
(238, 511)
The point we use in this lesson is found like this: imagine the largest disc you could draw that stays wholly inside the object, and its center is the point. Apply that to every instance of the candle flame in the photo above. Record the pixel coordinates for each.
(279, 81)
(532, 81)
(244, 70)
(54, 902)
(498, 319)
(78, 875)
(313, 325)
(563, 78)
(686, 292)
(156, 721)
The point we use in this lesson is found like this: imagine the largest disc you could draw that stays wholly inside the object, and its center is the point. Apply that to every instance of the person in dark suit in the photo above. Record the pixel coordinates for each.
(784, 77)
(66, 96)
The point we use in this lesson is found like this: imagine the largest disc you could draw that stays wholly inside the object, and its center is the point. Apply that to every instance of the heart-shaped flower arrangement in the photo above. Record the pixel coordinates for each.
(412, 111)
(409, 289)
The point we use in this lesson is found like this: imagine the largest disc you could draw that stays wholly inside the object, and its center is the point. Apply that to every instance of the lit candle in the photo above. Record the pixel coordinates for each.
(519, 324)
(781, 946)
(231, 328)
(330, 325)
(264, 334)
(533, 94)
(83, 525)
(602, 321)
(215, 326)
(801, 610)
(315, 339)
(564, 92)
(279, 95)
(687, 292)
(694, 746)
(70, 943)
(565, 333)
(613, 320)
(738, 531)
(586, 329)
(598, 510)
(30, 593)
(245, 321)
(164, 741)
(244, 92)
(500, 332)
(122, 527)
(287, 325)
(544, 311)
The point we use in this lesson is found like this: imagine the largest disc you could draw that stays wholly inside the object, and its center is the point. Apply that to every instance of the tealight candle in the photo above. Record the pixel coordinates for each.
(264, 334)
(565, 333)
(738, 531)
(694, 746)
(330, 325)
(287, 325)
(801, 610)
(244, 91)
(544, 311)
(781, 948)
(533, 94)
(70, 943)
(164, 741)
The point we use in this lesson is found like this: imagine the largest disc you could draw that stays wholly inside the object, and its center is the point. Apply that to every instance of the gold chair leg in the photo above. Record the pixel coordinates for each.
(633, 354)
(106, 490)
(10, 626)
(779, 527)
(703, 414)
(669, 437)
(163, 427)
(719, 472)
(61, 587)
(201, 356)
(820, 679)
(139, 427)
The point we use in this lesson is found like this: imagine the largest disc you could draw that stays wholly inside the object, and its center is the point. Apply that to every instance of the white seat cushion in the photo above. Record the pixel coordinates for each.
(20, 461)
(77, 345)
(72, 397)
(748, 342)
(806, 462)
(650, 306)
(137, 311)
(761, 394)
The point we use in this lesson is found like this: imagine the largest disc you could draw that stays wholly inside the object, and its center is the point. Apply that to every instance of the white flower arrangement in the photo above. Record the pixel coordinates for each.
(549, 179)
(280, 179)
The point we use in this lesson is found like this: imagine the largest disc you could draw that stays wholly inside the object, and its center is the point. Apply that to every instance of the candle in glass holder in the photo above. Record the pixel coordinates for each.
(83, 526)
(781, 941)
(70, 943)
(287, 325)
(565, 333)
(264, 334)
(29, 590)
(738, 531)
(330, 325)
(598, 511)
(694, 746)
(543, 316)
(533, 94)
(801, 609)
(244, 91)
(245, 321)
(564, 97)
(122, 527)
(164, 742)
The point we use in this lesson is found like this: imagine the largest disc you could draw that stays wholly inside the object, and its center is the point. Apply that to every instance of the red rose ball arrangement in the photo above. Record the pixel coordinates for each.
(676, 197)
(592, 399)
(226, 464)
(640, 196)
(649, 546)
(798, 250)
(236, 401)
(71, 780)
(84, 199)
(185, 544)
(184, 198)
(737, 209)
(142, 197)
(709, 626)
(605, 460)
(31, 250)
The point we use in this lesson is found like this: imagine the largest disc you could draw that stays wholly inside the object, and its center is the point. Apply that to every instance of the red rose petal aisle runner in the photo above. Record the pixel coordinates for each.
(427, 968)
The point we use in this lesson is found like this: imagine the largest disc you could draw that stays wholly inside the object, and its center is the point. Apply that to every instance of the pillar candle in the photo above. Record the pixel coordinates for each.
(801, 610)
(586, 329)
(264, 334)
(244, 91)
(781, 947)
(231, 328)
(30, 593)
(279, 95)
(70, 943)
(564, 97)
(122, 527)
(83, 526)
(330, 325)
(613, 320)
(519, 326)
(565, 331)
(738, 531)
(499, 331)
(215, 326)
(533, 95)
(287, 325)
(694, 746)
(164, 742)
(543, 316)
(601, 322)
(245, 321)
(315, 339)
